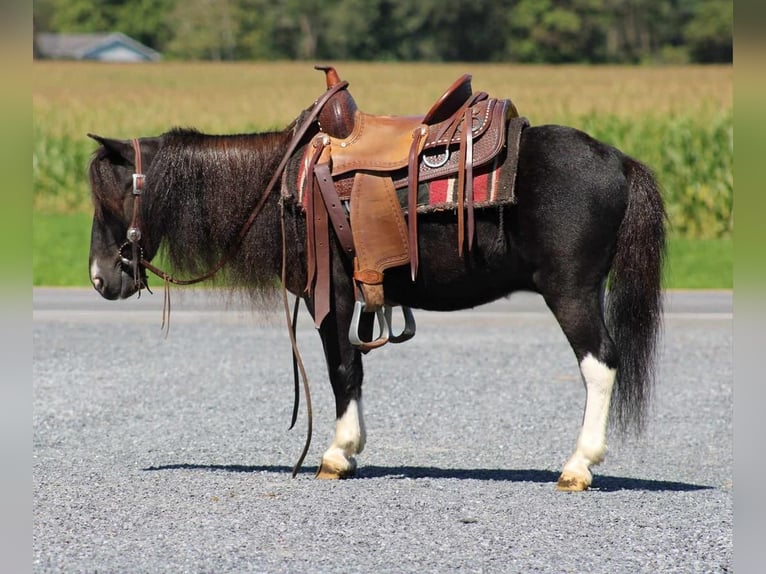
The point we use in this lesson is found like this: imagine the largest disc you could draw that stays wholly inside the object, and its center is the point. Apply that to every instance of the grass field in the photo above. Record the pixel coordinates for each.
(678, 120)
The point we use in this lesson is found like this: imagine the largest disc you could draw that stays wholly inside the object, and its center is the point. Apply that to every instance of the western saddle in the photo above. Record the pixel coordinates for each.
(356, 163)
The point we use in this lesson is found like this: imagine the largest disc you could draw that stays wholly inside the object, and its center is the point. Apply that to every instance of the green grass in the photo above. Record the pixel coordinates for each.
(60, 244)
(60, 256)
(700, 264)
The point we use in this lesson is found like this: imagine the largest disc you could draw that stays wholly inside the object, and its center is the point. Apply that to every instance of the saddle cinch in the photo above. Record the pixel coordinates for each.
(355, 165)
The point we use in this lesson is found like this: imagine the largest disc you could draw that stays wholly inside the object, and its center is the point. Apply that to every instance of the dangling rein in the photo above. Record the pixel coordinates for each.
(134, 238)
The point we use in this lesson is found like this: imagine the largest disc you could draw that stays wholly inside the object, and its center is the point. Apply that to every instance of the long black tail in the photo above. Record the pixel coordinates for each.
(634, 310)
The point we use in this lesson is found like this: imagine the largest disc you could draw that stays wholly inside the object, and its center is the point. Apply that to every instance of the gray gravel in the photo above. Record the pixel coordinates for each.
(173, 455)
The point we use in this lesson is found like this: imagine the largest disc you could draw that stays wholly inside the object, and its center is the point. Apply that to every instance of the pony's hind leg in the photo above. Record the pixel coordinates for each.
(582, 320)
(591, 443)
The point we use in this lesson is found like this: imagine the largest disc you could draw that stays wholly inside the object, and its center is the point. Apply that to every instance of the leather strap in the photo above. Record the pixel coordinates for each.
(134, 231)
(321, 288)
(468, 132)
(465, 183)
(334, 207)
(461, 186)
(324, 206)
(308, 193)
(412, 198)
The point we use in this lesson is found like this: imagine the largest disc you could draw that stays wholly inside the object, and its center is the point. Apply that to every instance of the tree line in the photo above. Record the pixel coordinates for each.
(524, 31)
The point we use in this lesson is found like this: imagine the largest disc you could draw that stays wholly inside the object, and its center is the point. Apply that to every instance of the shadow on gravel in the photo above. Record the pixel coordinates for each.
(614, 483)
(600, 483)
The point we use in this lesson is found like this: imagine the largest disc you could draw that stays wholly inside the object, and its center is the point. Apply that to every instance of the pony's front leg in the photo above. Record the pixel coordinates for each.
(339, 461)
(591, 443)
(344, 365)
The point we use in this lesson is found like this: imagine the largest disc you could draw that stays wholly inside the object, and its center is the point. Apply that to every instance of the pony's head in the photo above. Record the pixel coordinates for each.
(112, 267)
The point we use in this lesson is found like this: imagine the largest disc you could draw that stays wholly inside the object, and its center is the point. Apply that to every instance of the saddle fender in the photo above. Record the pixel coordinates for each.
(380, 234)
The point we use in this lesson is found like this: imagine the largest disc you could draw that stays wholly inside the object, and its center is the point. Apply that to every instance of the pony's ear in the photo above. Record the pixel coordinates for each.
(119, 148)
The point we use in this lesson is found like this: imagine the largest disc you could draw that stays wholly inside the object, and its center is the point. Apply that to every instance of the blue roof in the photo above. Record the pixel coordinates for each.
(112, 47)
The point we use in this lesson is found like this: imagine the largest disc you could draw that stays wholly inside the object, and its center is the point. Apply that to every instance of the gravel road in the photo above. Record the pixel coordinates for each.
(173, 455)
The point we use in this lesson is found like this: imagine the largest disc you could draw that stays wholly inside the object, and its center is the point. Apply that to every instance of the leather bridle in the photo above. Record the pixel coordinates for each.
(134, 231)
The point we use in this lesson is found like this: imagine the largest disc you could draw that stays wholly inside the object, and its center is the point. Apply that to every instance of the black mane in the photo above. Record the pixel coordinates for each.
(206, 186)
(200, 189)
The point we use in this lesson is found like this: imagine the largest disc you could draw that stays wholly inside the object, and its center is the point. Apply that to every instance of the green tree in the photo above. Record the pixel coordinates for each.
(545, 31)
(81, 15)
(204, 29)
(709, 33)
(145, 20)
(350, 31)
(557, 31)
(257, 31)
(469, 31)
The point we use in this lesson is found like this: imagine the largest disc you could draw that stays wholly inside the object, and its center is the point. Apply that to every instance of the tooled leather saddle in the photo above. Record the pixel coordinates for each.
(355, 165)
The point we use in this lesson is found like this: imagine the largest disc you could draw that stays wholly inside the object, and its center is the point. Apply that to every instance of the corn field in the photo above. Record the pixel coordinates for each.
(678, 120)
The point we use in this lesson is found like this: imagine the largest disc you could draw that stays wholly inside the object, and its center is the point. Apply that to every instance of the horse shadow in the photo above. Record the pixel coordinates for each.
(601, 483)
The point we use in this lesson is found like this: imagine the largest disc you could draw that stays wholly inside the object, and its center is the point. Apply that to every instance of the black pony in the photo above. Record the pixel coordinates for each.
(584, 213)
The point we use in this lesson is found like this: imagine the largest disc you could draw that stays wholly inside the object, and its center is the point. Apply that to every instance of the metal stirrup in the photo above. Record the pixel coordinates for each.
(408, 332)
(353, 330)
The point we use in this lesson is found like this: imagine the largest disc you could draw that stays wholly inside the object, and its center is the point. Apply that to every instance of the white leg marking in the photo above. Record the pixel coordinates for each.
(591, 444)
(350, 434)
(350, 438)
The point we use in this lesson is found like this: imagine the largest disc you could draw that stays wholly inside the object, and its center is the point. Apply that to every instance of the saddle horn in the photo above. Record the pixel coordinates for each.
(336, 119)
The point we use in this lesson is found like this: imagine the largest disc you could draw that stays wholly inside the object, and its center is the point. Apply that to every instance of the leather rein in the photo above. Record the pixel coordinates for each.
(137, 262)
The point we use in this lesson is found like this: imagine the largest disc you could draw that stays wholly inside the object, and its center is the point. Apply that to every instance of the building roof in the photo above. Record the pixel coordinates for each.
(112, 47)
